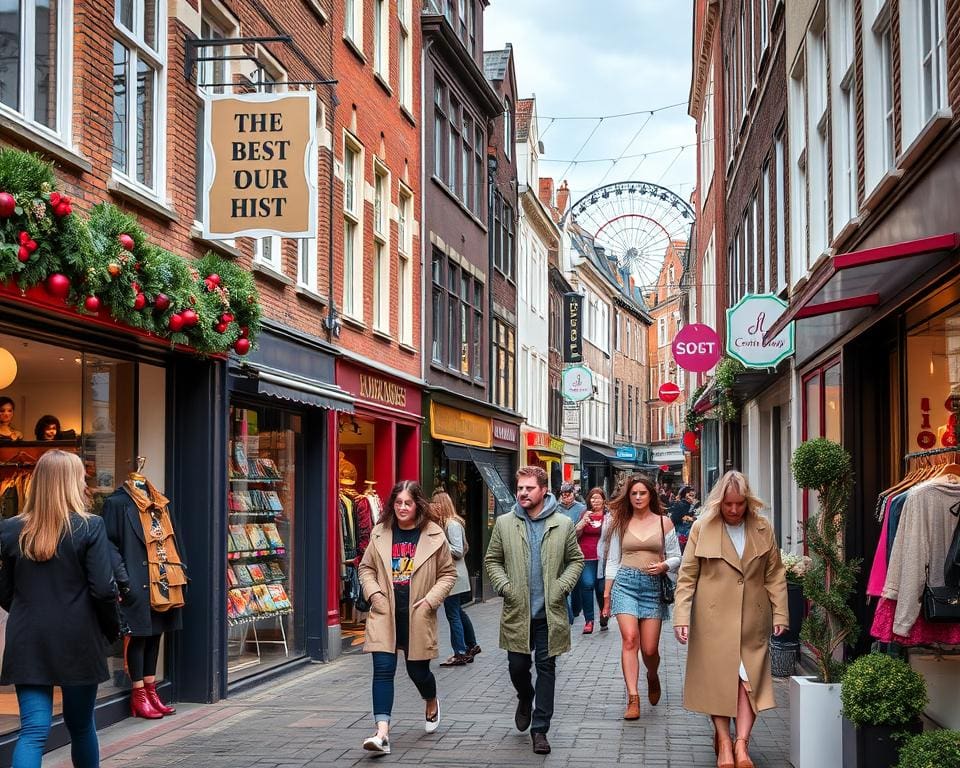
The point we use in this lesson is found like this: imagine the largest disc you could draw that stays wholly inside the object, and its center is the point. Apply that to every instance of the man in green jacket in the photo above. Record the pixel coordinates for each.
(534, 562)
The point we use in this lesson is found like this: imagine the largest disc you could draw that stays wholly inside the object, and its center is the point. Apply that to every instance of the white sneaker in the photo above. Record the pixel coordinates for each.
(377, 745)
(431, 725)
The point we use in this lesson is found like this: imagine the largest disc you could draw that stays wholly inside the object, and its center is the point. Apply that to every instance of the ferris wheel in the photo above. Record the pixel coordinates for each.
(636, 222)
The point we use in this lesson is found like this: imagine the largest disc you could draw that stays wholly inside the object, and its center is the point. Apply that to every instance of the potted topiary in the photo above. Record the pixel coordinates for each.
(882, 698)
(823, 466)
(933, 749)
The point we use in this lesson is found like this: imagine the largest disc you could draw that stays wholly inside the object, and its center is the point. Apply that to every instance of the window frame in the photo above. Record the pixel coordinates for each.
(381, 271)
(405, 55)
(381, 39)
(353, 22)
(353, 290)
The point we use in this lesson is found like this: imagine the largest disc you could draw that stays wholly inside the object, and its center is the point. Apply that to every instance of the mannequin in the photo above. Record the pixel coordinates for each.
(151, 579)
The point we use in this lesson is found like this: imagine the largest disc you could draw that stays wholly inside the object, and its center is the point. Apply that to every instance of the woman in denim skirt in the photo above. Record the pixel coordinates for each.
(641, 546)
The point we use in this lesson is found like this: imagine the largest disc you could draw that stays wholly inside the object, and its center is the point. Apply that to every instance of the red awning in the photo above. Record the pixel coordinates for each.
(860, 280)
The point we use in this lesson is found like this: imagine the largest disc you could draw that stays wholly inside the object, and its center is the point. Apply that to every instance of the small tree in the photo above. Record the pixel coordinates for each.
(824, 466)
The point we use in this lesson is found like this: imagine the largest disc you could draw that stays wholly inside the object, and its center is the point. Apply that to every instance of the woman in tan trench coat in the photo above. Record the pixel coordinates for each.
(731, 594)
(406, 572)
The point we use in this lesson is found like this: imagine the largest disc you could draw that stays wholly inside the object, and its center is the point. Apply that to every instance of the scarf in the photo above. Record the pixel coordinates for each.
(166, 570)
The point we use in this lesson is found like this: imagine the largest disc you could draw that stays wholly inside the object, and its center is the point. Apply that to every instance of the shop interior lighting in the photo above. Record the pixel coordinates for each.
(8, 368)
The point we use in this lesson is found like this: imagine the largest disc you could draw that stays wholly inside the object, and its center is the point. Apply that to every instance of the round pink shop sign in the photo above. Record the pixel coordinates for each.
(697, 348)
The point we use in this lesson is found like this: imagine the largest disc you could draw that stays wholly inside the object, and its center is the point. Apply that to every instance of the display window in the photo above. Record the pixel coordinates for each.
(822, 413)
(75, 400)
(933, 383)
(265, 622)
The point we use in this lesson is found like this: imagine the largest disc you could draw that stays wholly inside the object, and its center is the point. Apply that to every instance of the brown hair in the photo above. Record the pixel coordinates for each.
(424, 512)
(444, 510)
(536, 472)
(57, 490)
(598, 491)
(621, 510)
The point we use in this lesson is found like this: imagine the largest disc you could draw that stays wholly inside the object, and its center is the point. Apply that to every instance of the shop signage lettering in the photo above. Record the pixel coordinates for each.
(668, 453)
(556, 445)
(505, 432)
(372, 388)
(696, 348)
(458, 426)
(260, 166)
(577, 383)
(627, 452)
(748, 321)
(538, 439)
(572, 323)
(946, 435)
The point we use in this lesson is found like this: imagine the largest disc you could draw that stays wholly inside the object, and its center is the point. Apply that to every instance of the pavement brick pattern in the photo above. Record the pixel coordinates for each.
(320, 716)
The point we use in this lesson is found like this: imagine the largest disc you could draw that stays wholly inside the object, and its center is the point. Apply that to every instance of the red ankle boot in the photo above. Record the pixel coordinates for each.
(154, 697)
(141, 706)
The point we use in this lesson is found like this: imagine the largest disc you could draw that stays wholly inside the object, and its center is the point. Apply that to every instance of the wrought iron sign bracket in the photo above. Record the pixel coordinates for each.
(194, 45)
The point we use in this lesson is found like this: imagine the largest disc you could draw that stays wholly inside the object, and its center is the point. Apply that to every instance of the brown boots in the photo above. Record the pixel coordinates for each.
(633, 708)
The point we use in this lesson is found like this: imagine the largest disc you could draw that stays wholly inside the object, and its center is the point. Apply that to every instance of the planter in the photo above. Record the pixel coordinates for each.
(874, 746)
(815, 724)
(797, 606)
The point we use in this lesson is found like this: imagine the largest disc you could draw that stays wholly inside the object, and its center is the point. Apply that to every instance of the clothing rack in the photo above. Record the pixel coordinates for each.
(931, 452)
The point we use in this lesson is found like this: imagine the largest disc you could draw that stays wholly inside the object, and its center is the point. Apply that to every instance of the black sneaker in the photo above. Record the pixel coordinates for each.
(524, 715)
(540, 744)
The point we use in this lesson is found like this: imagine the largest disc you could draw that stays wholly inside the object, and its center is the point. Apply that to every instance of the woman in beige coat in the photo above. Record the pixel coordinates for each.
(406, 573)
(731, 593)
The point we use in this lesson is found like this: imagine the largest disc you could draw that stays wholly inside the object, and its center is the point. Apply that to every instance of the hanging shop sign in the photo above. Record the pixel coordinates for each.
(458, 426)
(667, 454)
(572, 323)
(691, 442)
(260, 165)
(577, 383)
(627, 452)
(505, 434)
(669, 392)
(748, 321)
(697, 348)
(571, 420)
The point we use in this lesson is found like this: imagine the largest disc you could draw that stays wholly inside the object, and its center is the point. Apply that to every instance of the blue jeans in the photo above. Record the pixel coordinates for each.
(590, 584)
(462, 636)
(384, 670)
(36, 714)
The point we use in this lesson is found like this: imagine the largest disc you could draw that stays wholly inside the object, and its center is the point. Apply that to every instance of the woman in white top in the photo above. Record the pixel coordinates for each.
(463, 639)
(641, 546)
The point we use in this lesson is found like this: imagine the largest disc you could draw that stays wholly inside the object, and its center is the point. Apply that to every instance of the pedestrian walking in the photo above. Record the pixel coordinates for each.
(682, 516)
(463, 639)
(641, 550)
(731, 592)
(406, 572)
(57, 584)
(573, 508)
(533, 562)
(589, 530)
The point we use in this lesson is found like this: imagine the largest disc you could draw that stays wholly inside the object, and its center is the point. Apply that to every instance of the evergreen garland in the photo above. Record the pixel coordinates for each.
(112, 267)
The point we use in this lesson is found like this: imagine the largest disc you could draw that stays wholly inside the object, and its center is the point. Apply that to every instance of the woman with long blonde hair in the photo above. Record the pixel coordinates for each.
(56, 582)
(731, 595)
(463, 639)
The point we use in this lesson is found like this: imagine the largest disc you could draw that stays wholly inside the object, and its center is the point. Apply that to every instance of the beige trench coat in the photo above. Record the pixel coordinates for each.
(434, 575)
(730, 607)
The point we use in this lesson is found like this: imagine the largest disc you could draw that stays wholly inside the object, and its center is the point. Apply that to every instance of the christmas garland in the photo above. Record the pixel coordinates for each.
(726, 376)
(105, 263)
(693, 420)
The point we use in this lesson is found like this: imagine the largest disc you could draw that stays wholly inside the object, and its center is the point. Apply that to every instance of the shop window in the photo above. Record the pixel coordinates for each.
(933, 383)
(104, 409)
(260, 589)
(822, 413)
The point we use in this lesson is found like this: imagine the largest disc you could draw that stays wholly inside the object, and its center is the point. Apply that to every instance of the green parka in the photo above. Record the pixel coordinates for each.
(508, 567)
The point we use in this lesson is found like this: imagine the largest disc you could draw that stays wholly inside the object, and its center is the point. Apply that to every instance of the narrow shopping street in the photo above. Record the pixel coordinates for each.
(320, 718)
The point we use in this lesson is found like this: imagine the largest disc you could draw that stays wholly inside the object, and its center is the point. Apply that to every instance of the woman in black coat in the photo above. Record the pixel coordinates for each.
(55, 580)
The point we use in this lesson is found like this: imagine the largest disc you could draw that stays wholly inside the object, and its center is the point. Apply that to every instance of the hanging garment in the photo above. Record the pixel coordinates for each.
(166, 573)
(349, 528)
(922, 632)
(376, 506)
(364, 524)
(878, 569)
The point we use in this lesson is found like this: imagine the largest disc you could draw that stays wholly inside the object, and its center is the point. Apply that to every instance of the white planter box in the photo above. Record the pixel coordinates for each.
(816, 739)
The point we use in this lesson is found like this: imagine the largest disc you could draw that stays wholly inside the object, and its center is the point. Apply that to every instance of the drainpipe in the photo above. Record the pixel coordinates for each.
(491, 355)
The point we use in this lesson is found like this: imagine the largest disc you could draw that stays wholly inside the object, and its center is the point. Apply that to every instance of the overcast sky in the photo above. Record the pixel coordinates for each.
(604, 57)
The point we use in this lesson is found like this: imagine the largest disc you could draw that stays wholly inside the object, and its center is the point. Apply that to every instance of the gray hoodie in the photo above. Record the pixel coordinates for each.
(535, 531)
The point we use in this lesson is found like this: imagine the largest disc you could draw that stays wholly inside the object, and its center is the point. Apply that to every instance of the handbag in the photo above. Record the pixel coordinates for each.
(666, 584)
(941, 604)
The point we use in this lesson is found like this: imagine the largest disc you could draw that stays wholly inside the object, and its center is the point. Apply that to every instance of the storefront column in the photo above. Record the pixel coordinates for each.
(332, 545)
(385, 457)
(318, 495)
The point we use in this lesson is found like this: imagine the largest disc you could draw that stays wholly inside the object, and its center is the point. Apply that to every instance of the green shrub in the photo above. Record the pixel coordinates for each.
(820, 463)
(881, 690)
(933, 749)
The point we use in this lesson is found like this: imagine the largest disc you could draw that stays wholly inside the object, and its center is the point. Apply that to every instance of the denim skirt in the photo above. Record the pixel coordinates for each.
(638, 594)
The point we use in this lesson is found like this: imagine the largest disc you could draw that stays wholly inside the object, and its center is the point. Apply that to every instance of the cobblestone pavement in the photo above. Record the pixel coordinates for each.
(321, 716)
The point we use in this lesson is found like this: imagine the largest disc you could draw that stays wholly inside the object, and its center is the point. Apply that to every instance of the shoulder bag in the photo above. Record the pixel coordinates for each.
(666, 585)
(940, 604)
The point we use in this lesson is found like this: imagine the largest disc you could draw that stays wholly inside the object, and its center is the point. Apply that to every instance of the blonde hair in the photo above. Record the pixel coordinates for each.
(737, 482)
(57, 489)
(445, 510)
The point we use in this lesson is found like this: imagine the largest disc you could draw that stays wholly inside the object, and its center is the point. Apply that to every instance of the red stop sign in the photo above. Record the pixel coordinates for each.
(669, 392)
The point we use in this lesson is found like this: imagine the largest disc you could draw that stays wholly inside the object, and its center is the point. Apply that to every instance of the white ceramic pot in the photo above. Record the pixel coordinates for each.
(816, 737)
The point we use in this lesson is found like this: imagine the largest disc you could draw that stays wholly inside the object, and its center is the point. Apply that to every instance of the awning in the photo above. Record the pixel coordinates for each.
(294, 389)
(481, 459)
(847, 287)
(597, 454)
(546, 457)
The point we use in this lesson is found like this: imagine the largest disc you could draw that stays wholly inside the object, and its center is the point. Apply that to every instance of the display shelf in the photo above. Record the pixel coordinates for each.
(256, 553)
(257, 480)
(259, 617)
(255, 513)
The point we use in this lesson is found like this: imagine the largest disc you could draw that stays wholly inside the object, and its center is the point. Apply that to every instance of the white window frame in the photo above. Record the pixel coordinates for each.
(708, 311)
(405, 55)
(307, 264)
(765, 198)
(933, 57)
(381, 260)
(25, 114)
(843, 92)
(353, 22)
(405, 305)
(818, 147)
(878, 111)
(707, 157)
(353, 224)
(661, 331)
(381, 39)
(779, 203)
(156, 58)
(508, 137)
(915, 111)
(756, 253)
(797, 121)
(764, 30)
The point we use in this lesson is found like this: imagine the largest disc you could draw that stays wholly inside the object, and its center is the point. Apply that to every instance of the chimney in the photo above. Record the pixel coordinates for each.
(546, 193)
(563, 198)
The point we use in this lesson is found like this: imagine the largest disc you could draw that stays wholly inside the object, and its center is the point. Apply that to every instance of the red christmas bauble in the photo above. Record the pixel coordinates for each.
(8, 205)
(126, 242)
(58, 285)
(92, 304)
(209, 285)
(690, 441)
(62, 209)
(221, 327)
(214, 278)
(190, 317)
(226, 317)
(244, 332)
(241, 346)
(161, 302)
(139, 302)
(54, 199)
(32, 245)
(23, 253)
(175, 323)
(24, 238)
